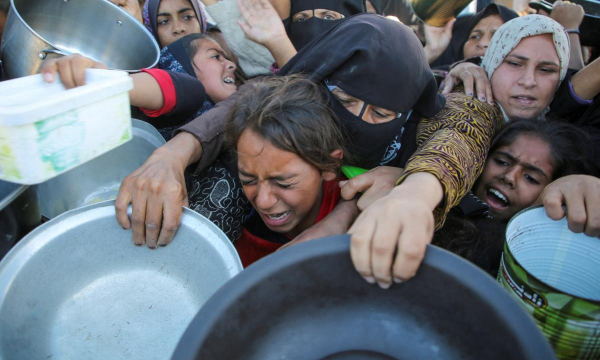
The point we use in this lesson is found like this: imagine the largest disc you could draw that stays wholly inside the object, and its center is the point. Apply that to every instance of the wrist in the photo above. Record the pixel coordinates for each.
(184, 149)
(573, 31)
(420, 187)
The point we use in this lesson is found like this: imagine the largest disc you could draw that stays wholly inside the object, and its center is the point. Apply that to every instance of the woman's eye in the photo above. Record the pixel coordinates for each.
(300, 18)
(247, 182)
(344, 100)
(548, 70)
(474, 37)
(163, 22)
(328, 17)
(513, 63)
(381, 115)
(531, 179)
(216, 56)
(188, 17)
(284, 186)
(500, 162)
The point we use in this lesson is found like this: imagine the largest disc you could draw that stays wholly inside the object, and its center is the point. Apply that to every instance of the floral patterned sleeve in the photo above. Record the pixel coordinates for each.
(453, 146)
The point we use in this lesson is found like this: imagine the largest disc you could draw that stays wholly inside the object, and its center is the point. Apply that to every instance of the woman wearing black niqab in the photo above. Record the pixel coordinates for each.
(382, 63)
(303, 32)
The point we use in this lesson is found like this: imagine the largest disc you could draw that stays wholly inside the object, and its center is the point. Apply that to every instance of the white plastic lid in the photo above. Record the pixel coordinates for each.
(29, 99)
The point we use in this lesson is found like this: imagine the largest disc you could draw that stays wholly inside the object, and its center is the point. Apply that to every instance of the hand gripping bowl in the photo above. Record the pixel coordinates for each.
(77, 288)
(308, 302)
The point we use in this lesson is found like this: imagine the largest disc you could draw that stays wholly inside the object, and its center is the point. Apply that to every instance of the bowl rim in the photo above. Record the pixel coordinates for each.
(467, 274)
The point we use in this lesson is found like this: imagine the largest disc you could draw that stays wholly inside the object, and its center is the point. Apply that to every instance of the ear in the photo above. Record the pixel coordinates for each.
(332, 175)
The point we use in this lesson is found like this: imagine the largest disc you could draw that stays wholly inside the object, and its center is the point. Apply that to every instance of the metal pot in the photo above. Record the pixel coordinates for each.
(96, 29)
(19, 214)
(308, 302)
(77, 288)
(99, 179)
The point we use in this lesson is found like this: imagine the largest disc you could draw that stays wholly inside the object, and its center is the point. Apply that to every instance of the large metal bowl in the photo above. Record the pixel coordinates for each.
(308, 302)
(99, 179)
(97, 29)
(77, 288)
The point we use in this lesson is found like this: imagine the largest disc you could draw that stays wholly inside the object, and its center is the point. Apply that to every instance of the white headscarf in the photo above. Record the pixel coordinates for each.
(508, 36)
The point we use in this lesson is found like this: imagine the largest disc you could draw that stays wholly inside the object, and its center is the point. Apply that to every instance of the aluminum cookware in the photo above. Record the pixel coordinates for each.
(308, 302)
(98, 29)
(77, 288)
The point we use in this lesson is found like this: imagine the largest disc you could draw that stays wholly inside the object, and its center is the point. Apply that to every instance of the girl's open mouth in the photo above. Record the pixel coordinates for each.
(277, 219)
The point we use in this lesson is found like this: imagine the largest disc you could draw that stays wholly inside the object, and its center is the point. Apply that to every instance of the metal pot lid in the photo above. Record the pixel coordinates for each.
(76, 287)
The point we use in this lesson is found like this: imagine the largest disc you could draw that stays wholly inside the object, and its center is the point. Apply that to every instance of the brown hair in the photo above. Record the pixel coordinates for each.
(290, 112)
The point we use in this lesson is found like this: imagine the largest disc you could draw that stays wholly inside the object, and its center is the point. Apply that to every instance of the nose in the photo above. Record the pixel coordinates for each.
(265, 198)
(484, 43)
(365, 113)
(230, 65)
(509, 177)
(178, 28)
(527, 78)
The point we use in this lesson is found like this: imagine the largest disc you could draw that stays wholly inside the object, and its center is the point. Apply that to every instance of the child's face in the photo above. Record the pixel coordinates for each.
(214, 70)
(514, 176)
(175, 19)
(283, 188)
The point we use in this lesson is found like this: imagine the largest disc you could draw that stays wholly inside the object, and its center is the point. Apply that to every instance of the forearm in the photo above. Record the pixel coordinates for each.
(432, 54)
(183, 148)
(422, 185)
(282, 50)
(576, 58)
(453, 148)
(146, 92)
(586, 83)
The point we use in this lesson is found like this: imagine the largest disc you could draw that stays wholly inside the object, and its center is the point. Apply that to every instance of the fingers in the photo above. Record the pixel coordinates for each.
(382, 253)
(592, 224)
(362, 232)
(553, 201)
(49, 69)
(138, 219)
(576, 215)
(245, 27)
(481, 84)
(66, 74)
(449, 84)
(468, 81)
(171, 221)
(411, 249)
(121, 203)
(153, 221)
(357, 184)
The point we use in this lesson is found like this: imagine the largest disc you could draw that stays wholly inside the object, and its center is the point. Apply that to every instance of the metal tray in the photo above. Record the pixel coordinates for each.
(77, 288)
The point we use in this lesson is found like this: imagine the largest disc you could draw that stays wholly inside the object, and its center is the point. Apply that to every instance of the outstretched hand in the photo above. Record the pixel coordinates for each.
(581, 195)
(437, 40)
(475, 80)
(71, 69)
(261, 22)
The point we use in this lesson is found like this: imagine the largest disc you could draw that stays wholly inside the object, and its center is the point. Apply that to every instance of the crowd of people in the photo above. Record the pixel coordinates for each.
(262, 102)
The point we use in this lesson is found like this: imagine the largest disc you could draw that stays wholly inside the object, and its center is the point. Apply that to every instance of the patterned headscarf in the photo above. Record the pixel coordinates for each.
(511, 33)
(153, 4)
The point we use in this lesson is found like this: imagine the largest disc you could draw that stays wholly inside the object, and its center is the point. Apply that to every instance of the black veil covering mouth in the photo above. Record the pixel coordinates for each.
(381, 62)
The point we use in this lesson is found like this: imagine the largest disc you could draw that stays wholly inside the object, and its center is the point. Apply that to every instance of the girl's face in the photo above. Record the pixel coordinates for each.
(319, 13)
(372, 114)
(175, 19)
(480, 36)
(283, 188)
(515, 175)
(214, 70)
(525, 82)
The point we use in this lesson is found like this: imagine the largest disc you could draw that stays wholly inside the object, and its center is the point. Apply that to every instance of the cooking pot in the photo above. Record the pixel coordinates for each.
(99, 179)
(308, 302)
(77, 288)
(96, 29)
(19, 213)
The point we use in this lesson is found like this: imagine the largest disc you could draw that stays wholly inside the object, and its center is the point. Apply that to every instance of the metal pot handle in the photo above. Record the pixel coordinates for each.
(44, 53)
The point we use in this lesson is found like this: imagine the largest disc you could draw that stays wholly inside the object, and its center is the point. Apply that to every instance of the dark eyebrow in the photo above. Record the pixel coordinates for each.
(163, 14)
(524, 58)
(281, 177)
(525, 165)
(221, 52)
(184, 10)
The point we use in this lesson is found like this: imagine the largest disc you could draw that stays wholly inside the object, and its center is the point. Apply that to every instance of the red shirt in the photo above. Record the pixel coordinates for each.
(252, 248)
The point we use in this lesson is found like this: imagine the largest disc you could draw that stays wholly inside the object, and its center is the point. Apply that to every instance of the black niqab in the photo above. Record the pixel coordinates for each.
(381, 62)
(303, 32)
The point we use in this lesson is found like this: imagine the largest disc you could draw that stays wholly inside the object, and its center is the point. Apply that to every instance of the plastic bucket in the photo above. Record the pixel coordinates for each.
(555, 275)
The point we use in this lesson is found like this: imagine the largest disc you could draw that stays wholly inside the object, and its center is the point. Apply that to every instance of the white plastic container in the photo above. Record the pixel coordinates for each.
(46, 129)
